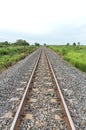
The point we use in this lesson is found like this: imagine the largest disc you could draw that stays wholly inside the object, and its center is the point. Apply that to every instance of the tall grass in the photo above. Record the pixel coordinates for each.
(9, 55)
(76, 55)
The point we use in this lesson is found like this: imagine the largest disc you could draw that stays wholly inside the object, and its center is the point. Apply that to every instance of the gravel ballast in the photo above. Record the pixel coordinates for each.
(72, 82)
(73, 85)
(43, 110)
(13, 81)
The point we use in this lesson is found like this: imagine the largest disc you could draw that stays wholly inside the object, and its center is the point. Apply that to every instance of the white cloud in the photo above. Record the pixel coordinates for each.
(42, 17)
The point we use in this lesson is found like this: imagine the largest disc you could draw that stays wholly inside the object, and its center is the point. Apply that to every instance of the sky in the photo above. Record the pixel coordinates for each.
(44, 21)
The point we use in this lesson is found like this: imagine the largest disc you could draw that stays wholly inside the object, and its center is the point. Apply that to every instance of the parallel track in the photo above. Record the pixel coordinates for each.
(56, 99)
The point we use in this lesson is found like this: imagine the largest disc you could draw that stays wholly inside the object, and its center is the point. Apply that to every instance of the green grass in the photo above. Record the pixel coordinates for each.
(11, 54)
(76, 55)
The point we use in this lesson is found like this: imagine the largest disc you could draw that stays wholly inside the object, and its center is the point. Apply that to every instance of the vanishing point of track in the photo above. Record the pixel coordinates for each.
(42, 106)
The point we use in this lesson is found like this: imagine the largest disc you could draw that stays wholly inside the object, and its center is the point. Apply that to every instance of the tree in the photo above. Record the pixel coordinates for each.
(78, 43)
(37, 44)
(21, 42)
(68, 44)
(74, 44)
(6, 43)
(44, 44)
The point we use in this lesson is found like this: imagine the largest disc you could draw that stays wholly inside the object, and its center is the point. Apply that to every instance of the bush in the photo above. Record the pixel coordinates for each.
(64, 51)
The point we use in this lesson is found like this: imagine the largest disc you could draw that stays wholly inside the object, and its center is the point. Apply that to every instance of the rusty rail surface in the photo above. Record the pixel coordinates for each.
(18, 114)
(64, 106)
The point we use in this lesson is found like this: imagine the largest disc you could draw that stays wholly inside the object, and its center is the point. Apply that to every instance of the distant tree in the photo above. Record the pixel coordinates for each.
(6, 43)
(44, 44)
(74, 44)
(37, 44)
(78, 43)
(68, 44)
(21, 42)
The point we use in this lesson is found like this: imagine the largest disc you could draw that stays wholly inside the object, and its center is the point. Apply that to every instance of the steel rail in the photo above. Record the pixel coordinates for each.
(16, 120)
(71, 124)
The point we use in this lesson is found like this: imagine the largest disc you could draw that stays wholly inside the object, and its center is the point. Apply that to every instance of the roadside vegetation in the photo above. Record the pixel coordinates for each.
(10, 53)
(75, 54)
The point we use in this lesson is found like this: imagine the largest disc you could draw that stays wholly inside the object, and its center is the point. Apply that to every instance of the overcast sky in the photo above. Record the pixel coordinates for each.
(44, 21)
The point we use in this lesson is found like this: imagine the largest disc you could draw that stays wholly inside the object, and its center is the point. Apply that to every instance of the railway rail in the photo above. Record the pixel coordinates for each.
(42, 105)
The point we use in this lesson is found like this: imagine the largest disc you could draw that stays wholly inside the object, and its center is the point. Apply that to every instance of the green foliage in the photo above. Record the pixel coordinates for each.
(76, 55)
(3, 44)
(37, 44)
(21, 42)
(10, 54)
(74, 44)
(44, 44)
(68, 44)
(64, 52)
(78, 43)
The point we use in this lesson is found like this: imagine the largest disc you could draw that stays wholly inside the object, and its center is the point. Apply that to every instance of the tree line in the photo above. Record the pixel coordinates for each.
(18, 42)
(74, 44)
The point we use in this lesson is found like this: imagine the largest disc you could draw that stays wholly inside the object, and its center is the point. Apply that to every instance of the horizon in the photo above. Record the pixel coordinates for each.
(42, 44)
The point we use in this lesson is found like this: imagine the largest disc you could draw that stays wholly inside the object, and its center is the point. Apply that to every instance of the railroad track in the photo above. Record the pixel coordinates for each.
(42, 106)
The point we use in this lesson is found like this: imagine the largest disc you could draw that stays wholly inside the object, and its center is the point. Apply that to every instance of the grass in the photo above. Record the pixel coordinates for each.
(76, 55)
(11, 54)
